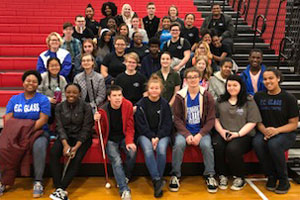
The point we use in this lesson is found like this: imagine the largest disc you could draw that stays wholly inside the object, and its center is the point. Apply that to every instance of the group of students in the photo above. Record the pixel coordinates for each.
(147, 98)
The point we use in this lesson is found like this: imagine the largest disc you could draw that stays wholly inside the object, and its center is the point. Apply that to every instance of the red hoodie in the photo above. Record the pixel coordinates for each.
(127, 118)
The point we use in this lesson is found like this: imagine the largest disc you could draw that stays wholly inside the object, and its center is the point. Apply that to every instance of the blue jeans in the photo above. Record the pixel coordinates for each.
(39, 153)
(156, 167)
(271, 153)
(206, 149)
(113, 153)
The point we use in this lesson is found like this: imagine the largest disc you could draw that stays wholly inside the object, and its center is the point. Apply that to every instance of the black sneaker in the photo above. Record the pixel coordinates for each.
(238, 183)
(158, 186)
(211, 183)
(283, 187)
(271, 183)
(174, 184)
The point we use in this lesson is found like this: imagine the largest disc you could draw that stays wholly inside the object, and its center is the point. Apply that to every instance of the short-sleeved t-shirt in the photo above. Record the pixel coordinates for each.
(133, 86)
(176, 49)
(151, 26)
(29, 108)
(276, 110)
(114, 64)
(173, 80)
(193, 120)
(192, 35)
(219, 51)
(233, 118)
(218, 25)
(140, 51)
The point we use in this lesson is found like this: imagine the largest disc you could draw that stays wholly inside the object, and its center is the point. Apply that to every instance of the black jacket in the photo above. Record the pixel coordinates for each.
(165, 122)
(74, 120)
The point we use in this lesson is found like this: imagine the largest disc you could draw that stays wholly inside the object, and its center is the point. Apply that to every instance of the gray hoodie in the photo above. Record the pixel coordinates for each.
(217, 85)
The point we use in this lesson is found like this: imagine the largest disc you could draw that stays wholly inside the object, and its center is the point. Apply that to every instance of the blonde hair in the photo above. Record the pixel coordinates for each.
(154, 78)
(56, 35)
(207, 49)
(133, 56)
(206, 74)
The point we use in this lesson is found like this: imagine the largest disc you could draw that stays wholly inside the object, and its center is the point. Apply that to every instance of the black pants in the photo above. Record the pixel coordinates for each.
(56, 166)
(232, 152)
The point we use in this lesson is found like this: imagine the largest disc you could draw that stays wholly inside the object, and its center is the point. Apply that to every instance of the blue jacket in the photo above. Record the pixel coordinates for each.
(247, 79)
(165, 122)
(64, 57)
(150, 65)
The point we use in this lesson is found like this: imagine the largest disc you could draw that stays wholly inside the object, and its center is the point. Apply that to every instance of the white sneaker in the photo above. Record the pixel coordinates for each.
(2, 189)
(238, 183)
(223, 182)
(126, 195)
(174, 184)
(59, 194)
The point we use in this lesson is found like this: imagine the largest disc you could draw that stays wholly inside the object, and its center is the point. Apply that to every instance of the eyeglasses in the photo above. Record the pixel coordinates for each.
(54, 40)
(120, 45)
(86, 60)
(176, 30)
(192, 77)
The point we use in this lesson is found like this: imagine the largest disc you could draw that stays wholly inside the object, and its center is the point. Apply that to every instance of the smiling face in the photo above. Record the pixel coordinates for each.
(88, 47)
(89, 13)
(137, 39)
(216, 41)
(30, 83)
(131, 64)
(189, 20)
(124, 30)
(172, 11)
(226, 69)
(80, 22)
(115, 99)
(87, 62)
(271, 81)
(192, 79)
(107, 36)
(54, 67)
(120, 46)
(233, 87)
(111, 24)
(255, 60)
(166, 23)
(154, 90)
(216, 10)
(54, 43)
(207, 38)
(68, 31)
(107, 11)
(135, 22)
(175, 31)
(201, 49)
(165, 60)
(201, 65)
(154, 48)
(126, 10)
(72, 94)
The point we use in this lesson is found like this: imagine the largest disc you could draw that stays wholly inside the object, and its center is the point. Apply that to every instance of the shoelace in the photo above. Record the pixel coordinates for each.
(175, 181)
(237, 182)
(212, 181)
(223, 180)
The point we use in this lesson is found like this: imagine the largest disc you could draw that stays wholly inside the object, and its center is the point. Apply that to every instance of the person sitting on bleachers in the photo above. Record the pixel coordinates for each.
(89, 18)
(54, 42)
(135, 23)
(173, 14)
(170, 79)
(221, 23)
(153, 120)
(118, 136)
(219, 50)
(194, 117)
(53, 85)
(126, 15)
(277, 131)
(236, 117)
(74, 120)
(81, 32)
(112, 26)
(202, 49)
(151, 62)
(164, 35)
(218, 80)
(151, 22)
(70, 43)
(124, 31)
(179, 48)
(88, 46)
(91, 82)
(190, 32)
(109, 10)
(253, 74)
(112, 64)
(138, 47)
(27, 105)
(206, 36)
(105, 44)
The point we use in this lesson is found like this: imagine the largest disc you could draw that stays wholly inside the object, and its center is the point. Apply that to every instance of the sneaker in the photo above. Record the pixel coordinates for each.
(38, 189)
(211, 183)
(271, 183)
(283, 187)
(223, 182)
(158, 186)
(2, 188)
(238, 183)
(59, 194)
(126, 195)
(174, 184)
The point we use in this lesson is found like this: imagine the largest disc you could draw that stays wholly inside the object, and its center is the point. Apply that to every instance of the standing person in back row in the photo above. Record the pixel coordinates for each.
(194, 117)
(221, 23)
(277, 131)
(151, 22)
(81, 32)
(253, 74)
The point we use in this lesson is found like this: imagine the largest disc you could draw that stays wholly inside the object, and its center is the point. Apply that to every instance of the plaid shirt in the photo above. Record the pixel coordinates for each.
(75, 48)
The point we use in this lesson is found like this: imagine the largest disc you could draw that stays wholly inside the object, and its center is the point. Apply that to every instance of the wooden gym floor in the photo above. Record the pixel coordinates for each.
(192, 188)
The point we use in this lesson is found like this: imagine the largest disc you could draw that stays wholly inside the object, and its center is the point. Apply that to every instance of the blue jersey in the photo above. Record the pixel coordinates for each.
(164, 37)
(193, 114)
(29, 108)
